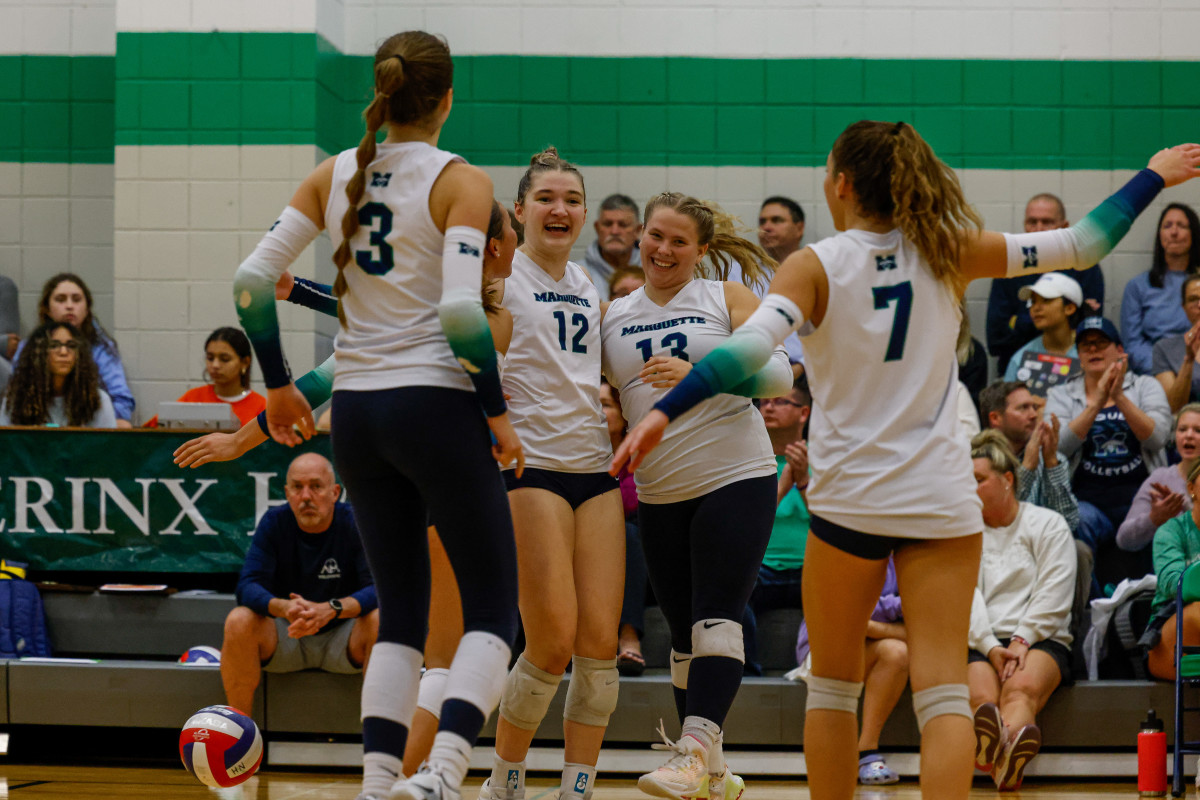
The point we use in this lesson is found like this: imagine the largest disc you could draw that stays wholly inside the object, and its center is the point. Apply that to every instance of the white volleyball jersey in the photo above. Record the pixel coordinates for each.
(720, 441)
(392, 336)
(552, 369)
(883, 441)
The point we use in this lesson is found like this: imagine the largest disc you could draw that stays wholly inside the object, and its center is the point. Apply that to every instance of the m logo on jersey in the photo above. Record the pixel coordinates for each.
(465, 249)
(380, 178)
(330, 570)
(1030, 257)
(884, 263)
(274, 225)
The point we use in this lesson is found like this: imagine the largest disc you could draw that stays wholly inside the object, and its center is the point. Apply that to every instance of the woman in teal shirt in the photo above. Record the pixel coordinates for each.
(1176, 546)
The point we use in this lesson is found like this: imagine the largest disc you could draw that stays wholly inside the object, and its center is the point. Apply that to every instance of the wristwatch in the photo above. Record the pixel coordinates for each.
(336, 605)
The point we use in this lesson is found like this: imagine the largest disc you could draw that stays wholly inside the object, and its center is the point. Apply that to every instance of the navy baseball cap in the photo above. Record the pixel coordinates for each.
(1099, 324)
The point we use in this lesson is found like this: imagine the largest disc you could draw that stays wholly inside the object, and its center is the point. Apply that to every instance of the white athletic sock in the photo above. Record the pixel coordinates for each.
(450, 755)
(508, 778)
(716, 756)
(702, 730)
(577, 780)
(380, 771)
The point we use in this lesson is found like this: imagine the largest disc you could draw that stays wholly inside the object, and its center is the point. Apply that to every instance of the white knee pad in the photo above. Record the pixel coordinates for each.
(432, 689)
(937, 701)
(592, 691)
(833, 695)
(679, 668)
(527, 694)
(718, 637)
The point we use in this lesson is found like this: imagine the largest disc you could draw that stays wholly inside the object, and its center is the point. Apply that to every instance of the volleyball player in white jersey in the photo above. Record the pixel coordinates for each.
(566, 508)
(408, 222)
(889, 471)
(706, 497)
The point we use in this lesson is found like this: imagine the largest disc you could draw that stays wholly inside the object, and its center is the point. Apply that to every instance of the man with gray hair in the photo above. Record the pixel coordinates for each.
(618, 231)
(306, 599)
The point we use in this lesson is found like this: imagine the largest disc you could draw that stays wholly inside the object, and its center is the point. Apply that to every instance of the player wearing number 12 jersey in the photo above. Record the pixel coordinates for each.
(567, 514)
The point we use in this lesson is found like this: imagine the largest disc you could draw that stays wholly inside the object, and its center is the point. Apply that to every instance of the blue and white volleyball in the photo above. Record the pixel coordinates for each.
(201, 656)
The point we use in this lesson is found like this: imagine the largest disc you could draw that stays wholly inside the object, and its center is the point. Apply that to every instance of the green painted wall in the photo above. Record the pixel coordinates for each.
(263, 88)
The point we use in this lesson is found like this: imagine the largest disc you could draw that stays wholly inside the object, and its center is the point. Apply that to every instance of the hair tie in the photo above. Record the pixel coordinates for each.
(400, 58)
(896, 129)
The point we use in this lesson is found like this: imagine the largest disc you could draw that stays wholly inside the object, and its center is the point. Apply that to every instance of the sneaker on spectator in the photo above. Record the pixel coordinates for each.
(1010, 768)
(874, 771)
(989, 736)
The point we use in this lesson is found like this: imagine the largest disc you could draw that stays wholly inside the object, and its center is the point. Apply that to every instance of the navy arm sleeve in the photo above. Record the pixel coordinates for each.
(258, 571)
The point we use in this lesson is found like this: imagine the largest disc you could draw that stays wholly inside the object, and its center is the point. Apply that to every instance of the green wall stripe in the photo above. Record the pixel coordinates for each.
(292, 88)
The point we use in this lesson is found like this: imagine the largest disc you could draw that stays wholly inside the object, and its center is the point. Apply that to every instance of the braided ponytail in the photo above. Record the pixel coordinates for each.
(413, 72)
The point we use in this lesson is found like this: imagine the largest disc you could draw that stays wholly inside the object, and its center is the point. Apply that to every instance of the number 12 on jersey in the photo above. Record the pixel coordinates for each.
(902, 294)
(581, 324)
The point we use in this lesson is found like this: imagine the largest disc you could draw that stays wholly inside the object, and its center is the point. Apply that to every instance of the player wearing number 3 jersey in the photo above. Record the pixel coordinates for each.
(883, 299)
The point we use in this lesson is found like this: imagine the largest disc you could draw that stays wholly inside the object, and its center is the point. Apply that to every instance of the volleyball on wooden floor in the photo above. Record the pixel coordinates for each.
(221, 746)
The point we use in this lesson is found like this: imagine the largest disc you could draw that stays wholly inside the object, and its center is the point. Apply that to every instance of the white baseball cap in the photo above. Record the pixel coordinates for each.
(1052, 285)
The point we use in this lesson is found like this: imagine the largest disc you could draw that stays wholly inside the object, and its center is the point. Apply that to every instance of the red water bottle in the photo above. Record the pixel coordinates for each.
(1152, 757)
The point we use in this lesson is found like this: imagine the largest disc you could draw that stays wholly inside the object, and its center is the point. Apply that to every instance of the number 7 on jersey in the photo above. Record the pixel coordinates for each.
(902, 294)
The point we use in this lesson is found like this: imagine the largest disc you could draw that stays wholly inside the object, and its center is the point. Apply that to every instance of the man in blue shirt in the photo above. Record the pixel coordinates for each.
(306, 599)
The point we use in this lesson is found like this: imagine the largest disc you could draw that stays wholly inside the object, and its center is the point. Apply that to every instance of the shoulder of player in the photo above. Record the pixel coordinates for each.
(459, 175)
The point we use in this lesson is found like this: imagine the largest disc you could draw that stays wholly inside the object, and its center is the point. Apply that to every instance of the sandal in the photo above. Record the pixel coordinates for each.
(630, 663)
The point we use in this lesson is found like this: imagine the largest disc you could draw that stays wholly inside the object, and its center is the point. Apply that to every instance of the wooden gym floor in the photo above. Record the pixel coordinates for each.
(58, 782)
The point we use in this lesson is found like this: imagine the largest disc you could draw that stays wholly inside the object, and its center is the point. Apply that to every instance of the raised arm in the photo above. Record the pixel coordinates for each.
(998, 255)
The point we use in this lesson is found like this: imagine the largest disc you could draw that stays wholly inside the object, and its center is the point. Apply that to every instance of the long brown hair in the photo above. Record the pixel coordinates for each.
(717, 229)
(31, 389)
(413, 72)
(896, 176)
(93, 332)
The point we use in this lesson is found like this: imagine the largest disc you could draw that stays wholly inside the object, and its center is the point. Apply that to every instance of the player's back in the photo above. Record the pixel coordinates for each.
(392, 336)
(885, 449)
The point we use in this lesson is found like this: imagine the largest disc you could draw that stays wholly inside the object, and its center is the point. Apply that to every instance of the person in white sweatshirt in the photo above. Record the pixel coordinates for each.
(1020, 633)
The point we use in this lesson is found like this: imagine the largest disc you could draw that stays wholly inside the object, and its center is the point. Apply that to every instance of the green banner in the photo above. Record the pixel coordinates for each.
(105, 500)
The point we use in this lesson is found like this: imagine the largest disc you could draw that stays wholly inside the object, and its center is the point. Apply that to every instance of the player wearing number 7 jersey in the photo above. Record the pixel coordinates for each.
(707, 496)
(889, 473)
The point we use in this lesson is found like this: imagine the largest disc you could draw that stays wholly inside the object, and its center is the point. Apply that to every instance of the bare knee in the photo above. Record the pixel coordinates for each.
(1026, 690)
(892, 655)
(243, 625)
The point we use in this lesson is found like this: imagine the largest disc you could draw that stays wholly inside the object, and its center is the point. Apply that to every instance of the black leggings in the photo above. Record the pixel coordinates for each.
(407, 452)
(703, 556)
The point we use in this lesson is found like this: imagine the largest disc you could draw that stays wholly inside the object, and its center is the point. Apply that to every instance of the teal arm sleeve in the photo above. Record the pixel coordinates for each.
(773, 380)
(316, 386)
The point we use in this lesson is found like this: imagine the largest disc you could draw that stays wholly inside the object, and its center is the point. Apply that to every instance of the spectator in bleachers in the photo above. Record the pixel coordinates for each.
(1020, 634)
(625, 281)
(56, 383)
(1055, 304)
(1044, 479)
(782, 569)
(10, 319)
(1175, 356)
(886, 675)
(1150, 308)
(618, 230)
(1176, 546)
(1116, 431)
(1009, 324)
(306, 599)
(1164, 494)
(66, 298)
(780, 226)
(227, 362)
(633, 607)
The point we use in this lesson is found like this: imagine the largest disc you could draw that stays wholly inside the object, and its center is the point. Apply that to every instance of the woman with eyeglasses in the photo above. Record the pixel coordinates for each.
(56, 383)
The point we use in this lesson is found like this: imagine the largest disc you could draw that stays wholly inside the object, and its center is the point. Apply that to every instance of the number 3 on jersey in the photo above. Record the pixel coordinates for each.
(902, 294)
(378, 239)
(581, 324)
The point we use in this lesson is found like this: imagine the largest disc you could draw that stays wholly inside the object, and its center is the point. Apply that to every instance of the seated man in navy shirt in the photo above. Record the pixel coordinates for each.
(306, 599)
